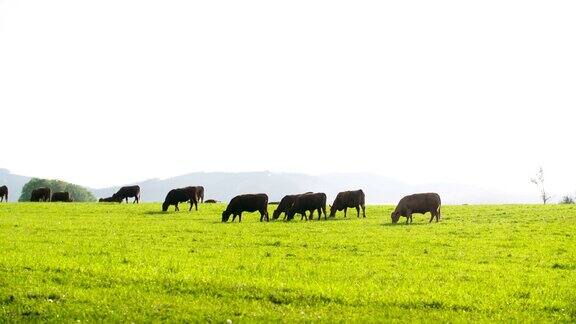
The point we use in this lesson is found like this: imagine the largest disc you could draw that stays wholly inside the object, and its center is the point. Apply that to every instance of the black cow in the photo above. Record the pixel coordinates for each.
(127, 192)
(421, 203)
(348, 199)
(3, 193)
(308, 202)
(246, 203)
(180, 195)
(109, 199)
(284, 205)
(41, 194)
(211, 201)
(63, 196)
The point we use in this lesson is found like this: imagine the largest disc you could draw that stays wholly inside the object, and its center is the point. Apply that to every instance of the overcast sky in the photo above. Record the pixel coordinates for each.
(109, 92)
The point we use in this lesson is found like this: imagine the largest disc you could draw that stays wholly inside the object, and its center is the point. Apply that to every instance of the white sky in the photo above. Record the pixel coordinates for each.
(109, 92)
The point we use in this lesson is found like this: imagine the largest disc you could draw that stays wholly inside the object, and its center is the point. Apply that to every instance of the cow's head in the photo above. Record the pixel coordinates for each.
(276, 214)
(165, 206)
(332, 210)
(395, 216)
(226, 216)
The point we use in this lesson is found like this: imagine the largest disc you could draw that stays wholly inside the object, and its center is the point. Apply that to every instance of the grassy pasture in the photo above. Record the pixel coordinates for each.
(109, 262)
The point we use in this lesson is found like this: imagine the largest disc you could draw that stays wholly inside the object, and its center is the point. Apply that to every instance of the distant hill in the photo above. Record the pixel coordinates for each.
(379, 189)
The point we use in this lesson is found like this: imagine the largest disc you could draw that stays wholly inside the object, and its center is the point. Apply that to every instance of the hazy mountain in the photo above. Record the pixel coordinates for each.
(223, 186)
(14, 183)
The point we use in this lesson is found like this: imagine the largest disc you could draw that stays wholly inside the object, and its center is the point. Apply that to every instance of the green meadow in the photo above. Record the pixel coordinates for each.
(131, 263)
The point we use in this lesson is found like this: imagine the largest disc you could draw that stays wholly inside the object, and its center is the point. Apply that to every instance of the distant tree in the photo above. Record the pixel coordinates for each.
(567, 200)
(539, 182)
(77, 192)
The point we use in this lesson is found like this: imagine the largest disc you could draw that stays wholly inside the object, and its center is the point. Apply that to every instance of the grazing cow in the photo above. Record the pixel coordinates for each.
(308, 202)
(3, 193)
(246, 203)
(211, 201)
(109, 199)
(180, 195)
(421, 203)
(200, 194)
(41, 194)
(61, 197)
(127, 192)
(284, 205)
(192, 193)
(348, 199)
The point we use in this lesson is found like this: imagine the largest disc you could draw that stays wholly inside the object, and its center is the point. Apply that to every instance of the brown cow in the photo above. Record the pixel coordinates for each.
(349, 199)
(192, 193)
(3, 193)
(421, 203)
(63, 196)
(41, 194)
(127, 192)
(200, 194)
(249, 203)
(308, 202)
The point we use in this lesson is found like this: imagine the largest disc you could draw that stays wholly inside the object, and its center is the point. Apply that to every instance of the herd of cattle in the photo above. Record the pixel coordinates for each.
(290, 205)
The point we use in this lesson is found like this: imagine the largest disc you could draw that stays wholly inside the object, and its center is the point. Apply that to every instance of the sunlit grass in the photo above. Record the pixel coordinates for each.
(133, 263)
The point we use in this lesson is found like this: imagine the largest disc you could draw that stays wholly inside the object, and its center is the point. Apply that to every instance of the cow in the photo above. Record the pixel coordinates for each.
(63, 196)
(246, 203)
(211, 201)
(349, 199)
(127, 192)
(192, 193)
(420, 203)
(180, 195)
(3, 193)
(41, 194)
(284, 205)
(109, 199)
(308, 202)
(200, 194)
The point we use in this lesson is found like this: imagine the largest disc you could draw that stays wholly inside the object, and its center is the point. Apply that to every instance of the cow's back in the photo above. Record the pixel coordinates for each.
(248, 202)
(420, 203)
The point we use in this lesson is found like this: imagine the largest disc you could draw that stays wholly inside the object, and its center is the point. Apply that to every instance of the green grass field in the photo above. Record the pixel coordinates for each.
(108, 262)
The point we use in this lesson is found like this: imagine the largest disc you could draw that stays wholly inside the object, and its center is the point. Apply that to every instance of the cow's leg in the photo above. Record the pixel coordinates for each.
(240, 218)
(364, 211)
(438, 214)
(345, 209)
(324, 210)
(357, 211)
(233, 217)
(432, 215)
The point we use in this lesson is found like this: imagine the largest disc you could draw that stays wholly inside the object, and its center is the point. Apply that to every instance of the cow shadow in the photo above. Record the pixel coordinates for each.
(156, 213)
(404, 224)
